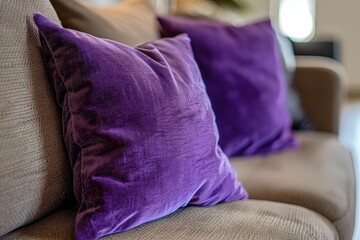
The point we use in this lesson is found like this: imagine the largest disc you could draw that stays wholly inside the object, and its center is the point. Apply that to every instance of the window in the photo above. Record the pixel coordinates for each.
(297, 19)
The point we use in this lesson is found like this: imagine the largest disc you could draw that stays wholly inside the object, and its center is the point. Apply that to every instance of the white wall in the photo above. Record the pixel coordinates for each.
(341, 19)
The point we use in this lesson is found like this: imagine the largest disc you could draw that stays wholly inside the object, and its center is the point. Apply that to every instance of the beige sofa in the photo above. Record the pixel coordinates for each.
(308, 193)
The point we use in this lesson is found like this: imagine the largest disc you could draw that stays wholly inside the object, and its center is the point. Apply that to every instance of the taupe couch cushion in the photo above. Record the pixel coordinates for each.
(130, 22)
(34, 171)
(318, 176)
(251, 219)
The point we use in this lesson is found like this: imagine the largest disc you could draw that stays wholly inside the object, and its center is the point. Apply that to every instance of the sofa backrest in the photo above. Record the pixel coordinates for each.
(130, 22)
(34, 169)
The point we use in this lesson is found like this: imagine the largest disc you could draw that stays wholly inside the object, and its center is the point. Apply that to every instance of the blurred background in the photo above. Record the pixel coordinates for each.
(317, 27)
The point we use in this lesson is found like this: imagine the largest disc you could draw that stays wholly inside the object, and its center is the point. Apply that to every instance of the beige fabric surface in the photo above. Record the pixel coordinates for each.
(320, 83)
(131, 22)
(34, 174)
(251, 219)
(318, 176)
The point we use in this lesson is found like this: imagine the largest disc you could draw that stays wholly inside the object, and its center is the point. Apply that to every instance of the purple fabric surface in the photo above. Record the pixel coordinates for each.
(139, 129)
(245, 82)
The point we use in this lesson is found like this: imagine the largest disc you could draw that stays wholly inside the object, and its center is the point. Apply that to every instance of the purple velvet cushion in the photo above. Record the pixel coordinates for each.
(245, 82)
(139, 129)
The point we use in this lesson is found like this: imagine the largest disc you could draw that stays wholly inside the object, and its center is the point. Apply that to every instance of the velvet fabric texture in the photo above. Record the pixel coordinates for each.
(245, 81)
(139, 129)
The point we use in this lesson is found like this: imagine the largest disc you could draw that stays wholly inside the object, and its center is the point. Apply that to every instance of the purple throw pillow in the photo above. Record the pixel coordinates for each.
(245, 81)
(139, 129)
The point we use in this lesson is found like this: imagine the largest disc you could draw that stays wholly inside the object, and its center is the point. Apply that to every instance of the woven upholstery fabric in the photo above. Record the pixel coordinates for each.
(34, 174)
(318, 176)
(251, 219)
(130, 22)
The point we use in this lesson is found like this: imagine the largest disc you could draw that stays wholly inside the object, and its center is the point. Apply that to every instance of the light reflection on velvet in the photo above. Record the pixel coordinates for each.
(244, 80)
(139, 129)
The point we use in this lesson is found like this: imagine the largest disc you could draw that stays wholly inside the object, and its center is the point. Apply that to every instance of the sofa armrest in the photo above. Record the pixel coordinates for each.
(320, 84)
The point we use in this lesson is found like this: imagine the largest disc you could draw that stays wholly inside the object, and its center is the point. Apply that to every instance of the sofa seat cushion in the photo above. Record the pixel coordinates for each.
(318, 176)
(253, 219)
